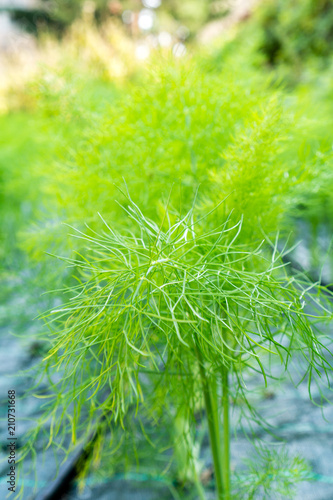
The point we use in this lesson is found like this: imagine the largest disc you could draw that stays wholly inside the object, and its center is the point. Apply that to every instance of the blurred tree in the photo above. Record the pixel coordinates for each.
(293, 31)
(57, 15)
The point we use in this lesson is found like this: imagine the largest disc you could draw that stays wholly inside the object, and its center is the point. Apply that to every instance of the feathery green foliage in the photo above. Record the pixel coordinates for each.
(169, 316)
(183, 307)
(272, 471)
(183, 125)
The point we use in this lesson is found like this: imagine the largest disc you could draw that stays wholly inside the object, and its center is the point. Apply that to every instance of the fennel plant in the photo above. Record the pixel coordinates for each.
(182, 307)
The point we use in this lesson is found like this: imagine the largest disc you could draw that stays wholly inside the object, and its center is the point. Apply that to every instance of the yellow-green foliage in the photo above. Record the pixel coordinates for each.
(181, 128)
(212, 123)
(185, 129)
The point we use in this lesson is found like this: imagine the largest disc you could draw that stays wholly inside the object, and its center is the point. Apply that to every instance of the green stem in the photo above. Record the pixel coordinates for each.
(226, 433)
(213, 428)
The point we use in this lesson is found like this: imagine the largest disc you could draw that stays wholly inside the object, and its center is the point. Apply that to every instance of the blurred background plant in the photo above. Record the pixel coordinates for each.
(294, 32)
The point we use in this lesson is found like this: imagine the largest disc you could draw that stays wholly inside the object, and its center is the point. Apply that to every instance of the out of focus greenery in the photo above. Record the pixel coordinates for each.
(295, 31)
